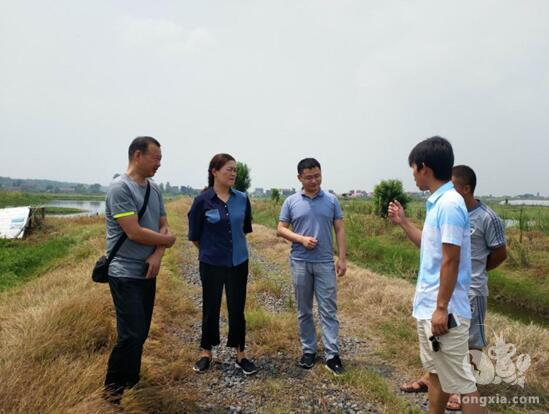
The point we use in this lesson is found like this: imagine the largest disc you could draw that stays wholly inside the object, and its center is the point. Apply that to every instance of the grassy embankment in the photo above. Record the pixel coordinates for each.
(519, 288)
(57, 330)
(45, 247)
(376, 308)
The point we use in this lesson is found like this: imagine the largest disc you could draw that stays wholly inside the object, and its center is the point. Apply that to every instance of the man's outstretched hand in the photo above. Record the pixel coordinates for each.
(396, 212)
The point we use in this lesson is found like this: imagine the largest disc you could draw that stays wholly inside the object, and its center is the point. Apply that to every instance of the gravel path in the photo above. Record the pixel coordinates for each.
(224, 389)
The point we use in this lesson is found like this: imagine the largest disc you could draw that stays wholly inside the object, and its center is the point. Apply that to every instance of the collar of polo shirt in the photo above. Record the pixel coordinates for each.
(319, 194)
(441, 190)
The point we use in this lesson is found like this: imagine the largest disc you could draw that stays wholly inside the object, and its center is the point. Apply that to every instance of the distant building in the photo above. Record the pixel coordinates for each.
(287, 191)
(187, 190)
(355, 194)
(422, 195)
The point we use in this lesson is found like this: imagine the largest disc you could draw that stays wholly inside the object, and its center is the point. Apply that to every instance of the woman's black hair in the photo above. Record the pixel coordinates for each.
(217, 162)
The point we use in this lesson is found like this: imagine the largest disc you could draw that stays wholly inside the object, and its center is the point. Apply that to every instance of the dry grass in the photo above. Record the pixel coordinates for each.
(378, 308)
(56, 332)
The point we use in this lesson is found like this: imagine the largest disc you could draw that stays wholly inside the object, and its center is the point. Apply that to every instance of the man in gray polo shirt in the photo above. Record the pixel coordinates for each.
(133, 270)
(313, 214)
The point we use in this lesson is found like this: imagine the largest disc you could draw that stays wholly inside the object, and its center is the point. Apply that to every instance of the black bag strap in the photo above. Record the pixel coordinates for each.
(124, 236)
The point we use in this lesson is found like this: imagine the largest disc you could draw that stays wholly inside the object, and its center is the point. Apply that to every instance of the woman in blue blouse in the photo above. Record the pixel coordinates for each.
(219, 220)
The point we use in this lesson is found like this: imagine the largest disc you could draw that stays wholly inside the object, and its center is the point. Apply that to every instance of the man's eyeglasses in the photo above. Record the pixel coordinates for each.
(312, 177)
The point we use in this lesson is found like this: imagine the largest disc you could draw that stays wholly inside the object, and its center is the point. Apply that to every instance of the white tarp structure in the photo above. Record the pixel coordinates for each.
(13, 222)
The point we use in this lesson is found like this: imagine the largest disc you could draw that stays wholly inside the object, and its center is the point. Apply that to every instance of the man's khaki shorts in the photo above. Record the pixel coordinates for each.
(451, 362)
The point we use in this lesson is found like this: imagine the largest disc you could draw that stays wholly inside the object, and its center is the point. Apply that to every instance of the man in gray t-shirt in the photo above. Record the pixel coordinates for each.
(488, 250)
(133, 270)
(124, 199)
(487, 238)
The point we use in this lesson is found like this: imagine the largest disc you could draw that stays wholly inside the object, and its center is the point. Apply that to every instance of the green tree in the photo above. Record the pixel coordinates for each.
(387, 191)
(243, 180)
(275, 195)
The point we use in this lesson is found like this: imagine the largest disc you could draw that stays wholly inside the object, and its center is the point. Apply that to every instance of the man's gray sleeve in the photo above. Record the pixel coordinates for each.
(162, 208)
(494, 233)
(120, 201)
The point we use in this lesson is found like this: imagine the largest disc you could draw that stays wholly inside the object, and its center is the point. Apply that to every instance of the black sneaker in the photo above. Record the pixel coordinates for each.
(307, 360)
(247, 366)
(203, 364)
(335, 365)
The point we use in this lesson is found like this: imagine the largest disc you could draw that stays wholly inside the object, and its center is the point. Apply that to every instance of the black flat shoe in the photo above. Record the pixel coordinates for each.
(202, 365)
(247, 366)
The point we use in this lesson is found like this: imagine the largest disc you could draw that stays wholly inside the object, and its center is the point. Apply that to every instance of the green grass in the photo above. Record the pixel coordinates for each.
(63, 210)
(527, 299)
(373, 386)
(529, 218)
(21, 260)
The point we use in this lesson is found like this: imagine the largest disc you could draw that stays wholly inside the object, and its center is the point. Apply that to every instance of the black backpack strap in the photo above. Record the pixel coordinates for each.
(124, 236)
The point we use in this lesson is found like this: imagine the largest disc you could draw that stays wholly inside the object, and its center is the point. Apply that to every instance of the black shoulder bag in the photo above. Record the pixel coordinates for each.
(100, 273)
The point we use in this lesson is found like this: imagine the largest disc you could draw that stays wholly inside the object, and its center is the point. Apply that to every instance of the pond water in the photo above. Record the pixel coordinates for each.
(91, 208)
(527, 203)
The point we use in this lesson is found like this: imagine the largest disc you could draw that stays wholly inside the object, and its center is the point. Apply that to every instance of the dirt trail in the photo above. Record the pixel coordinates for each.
(280, 386)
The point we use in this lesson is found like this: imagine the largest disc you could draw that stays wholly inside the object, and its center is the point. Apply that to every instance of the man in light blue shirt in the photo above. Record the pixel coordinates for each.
(313, 215)
(441, 302)
(446, 222)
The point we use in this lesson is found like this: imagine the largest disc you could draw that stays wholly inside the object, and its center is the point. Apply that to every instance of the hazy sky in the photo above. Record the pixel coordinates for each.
(355, 84)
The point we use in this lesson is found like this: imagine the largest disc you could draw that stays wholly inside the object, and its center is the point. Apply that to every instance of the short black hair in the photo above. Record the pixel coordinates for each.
(141, 144)
(307, 164)
(435, 153)
(466, 176)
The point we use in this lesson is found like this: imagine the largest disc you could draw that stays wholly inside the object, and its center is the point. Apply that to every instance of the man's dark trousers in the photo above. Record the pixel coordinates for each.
(133, 301)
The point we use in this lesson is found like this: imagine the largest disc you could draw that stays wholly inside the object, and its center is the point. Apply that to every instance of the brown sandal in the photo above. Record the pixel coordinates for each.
(415, 387)
(454, 403)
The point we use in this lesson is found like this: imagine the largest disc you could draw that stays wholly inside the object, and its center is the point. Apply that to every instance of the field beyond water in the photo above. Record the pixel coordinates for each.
(57, 329)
